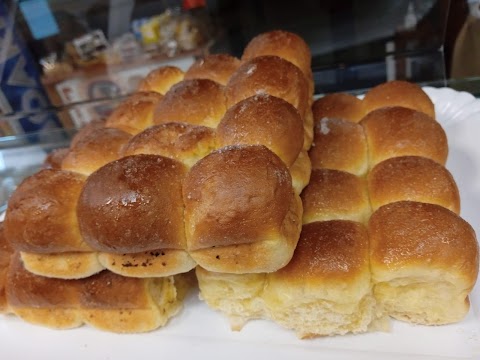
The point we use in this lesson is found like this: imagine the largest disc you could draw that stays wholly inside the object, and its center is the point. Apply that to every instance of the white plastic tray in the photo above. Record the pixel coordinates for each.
(200, 333)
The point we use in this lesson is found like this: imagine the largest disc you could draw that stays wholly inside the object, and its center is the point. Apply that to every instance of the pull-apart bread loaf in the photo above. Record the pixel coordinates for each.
(126, 212)
(106, 301)
(326, 288)
(414, 259)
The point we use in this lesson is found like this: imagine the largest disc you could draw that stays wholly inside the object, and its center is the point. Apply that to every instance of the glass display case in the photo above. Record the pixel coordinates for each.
(66, 63)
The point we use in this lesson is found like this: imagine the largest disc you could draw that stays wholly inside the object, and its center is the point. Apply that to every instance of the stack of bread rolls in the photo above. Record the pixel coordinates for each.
(211, 169)
(381, 234)
(202, 168)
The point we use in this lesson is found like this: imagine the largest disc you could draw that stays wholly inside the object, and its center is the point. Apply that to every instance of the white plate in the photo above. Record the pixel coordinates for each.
(201, 333)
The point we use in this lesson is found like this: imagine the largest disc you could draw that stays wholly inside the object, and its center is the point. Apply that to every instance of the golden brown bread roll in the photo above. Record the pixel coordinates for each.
(412, 178)
(424, 262)
(133, 204)
(241, 213)
(269, 75)
(105, 300)
(284, 44)
(264, 120)
(94, 150)
(339, 145)
(196, 102)
(398, 93)
(335, 195)
(338, 106)
(42, 224)
(86, 130)
(41, 215)
(180, 141)
(132, 209)
(135, 113)
(326, 288)
(398, 131)
(161, 80)
(216, 67)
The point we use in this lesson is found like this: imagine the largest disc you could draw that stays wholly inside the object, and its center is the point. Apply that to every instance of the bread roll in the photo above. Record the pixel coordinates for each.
(269, 75)
(335, 195)
(216, 67)
(338, 106)
(135, 113)
(94, 150)
(424, 262)
(180, 141)
(326, 288)
(134, 205)
(264, 120)
(106, 301)
(42, 224)
(412, 178)
(398, 131)
(41, 214)
(284, 44)
(241, 213)
(86, 130)
(339, 145)
(161, 80)
(196, 101)
(398, 93)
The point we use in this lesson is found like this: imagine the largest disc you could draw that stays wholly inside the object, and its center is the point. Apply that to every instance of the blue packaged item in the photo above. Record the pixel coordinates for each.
(20, 86)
